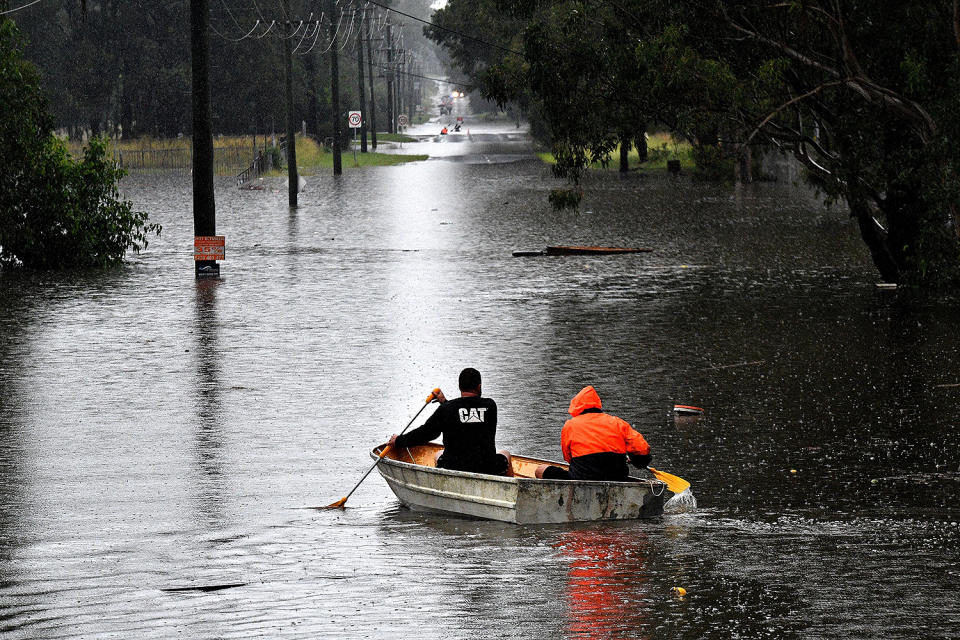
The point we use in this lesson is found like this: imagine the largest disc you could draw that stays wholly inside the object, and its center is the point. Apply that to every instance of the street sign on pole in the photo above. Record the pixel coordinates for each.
(402, 120)
(354, 119)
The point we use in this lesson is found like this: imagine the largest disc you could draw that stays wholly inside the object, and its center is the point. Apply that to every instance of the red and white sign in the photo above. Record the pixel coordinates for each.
(354, 118)
(209, 247)
(402, 120)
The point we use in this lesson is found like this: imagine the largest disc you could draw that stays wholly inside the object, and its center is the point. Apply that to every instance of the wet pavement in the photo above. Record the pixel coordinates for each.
(159, 434)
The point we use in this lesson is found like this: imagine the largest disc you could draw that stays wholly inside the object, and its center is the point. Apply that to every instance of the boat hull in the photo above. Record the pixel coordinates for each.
(522, 500)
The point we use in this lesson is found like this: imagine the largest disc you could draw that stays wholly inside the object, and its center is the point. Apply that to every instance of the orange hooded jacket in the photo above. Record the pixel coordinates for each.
(594, 432)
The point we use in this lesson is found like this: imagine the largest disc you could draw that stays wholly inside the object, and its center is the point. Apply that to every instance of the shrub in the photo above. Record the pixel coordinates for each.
(55, 212)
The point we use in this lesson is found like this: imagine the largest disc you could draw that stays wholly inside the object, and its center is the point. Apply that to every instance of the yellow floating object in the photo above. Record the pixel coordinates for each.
(680, 591)
(793, 470)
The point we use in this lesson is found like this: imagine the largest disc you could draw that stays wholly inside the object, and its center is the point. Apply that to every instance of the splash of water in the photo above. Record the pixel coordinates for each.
(683, 502)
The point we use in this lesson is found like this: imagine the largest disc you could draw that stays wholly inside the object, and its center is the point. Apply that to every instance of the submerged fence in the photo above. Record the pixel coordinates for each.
(227, 160)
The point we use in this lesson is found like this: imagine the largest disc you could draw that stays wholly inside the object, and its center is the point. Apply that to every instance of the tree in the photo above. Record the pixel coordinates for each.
(55, 212)
(875, 123)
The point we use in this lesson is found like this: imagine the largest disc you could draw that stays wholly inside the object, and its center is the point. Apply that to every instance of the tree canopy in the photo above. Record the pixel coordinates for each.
(862, 93)
(55, 212)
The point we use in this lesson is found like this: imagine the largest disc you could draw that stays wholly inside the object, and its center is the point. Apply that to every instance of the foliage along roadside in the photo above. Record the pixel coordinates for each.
(875, 126)
(55, 212)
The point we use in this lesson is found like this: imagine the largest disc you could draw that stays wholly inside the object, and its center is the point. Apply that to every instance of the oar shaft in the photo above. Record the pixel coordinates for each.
(385, 450)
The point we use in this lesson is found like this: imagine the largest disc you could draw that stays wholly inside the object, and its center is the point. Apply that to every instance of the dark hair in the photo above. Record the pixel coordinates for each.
(469, 379)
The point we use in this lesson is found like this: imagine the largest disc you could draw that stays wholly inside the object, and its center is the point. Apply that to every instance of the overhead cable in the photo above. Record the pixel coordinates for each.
(29, 4)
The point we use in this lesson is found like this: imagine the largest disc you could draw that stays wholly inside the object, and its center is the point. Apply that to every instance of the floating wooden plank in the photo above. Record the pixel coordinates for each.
(576, 250)
(524, 254)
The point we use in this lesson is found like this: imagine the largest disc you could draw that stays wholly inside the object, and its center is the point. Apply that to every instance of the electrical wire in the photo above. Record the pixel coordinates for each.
(305, 31)
(316, 36)
(29, 4)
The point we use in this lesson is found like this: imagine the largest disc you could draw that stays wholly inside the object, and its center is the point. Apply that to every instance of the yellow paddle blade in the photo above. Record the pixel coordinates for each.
(676, 484)
(337, 505)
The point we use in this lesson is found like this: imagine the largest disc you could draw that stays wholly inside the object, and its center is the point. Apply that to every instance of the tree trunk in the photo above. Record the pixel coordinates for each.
(876, 240)
(624, 154)
(641, 144)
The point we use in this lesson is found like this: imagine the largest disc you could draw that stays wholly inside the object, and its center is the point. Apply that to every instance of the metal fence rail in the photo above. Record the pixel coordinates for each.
(226, 160)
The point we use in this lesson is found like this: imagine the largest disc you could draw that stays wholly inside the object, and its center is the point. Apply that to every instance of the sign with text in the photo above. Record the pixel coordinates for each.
(353, 119)
(209, 248)
(402, 120)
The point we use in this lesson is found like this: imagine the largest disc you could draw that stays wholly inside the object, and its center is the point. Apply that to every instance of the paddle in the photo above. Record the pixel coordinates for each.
(339, 503)
(674, 483)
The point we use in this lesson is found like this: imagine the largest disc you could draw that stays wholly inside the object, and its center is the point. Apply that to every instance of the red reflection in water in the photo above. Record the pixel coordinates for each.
(607, 585)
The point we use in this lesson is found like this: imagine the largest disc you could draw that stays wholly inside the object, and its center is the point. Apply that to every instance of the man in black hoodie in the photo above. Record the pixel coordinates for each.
(469, 427)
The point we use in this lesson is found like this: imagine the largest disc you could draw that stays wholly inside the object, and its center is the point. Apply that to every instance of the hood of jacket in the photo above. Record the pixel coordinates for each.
(586, 399)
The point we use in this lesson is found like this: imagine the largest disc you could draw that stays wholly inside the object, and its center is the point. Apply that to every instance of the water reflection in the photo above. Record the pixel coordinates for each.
(209, 437)
(608, 592)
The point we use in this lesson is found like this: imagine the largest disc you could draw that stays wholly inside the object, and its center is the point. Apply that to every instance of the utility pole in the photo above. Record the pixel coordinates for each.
(204, 204)
(335, 87)
(391, 124)
(373, 96)
(293, 179)
(363, 121)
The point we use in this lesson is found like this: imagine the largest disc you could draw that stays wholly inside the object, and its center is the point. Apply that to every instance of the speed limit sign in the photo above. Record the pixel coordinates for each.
(402, 120)
(354, 119)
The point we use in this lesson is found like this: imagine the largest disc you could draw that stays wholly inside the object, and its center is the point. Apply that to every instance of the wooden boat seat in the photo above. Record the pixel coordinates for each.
(425, 455)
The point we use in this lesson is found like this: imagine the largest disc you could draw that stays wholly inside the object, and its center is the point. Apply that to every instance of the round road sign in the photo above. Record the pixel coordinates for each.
(402, 120)
(354, 119)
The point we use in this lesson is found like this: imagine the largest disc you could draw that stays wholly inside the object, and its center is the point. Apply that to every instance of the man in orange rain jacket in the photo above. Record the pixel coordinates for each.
(596, 444)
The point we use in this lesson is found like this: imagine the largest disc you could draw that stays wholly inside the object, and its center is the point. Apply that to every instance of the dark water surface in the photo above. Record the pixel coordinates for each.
(158, 433)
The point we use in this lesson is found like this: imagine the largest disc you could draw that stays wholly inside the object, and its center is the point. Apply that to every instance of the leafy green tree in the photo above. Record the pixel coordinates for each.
(863, 94)
(55, 212)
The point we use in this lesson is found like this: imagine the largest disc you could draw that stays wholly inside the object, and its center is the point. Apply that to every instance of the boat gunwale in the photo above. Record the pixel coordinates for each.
(650, 482)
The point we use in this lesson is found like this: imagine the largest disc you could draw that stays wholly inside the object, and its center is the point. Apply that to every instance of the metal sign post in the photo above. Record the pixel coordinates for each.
(402, 123)
(354, 119)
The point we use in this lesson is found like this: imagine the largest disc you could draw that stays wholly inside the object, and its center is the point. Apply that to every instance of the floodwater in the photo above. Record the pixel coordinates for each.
(159, 434)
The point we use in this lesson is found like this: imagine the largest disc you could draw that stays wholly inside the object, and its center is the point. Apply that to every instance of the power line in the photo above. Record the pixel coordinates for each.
(29, 4)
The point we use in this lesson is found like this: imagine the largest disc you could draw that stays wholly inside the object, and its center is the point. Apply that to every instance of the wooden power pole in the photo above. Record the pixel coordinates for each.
(335, 87)
(204, 203)
(293, 179)
(363, 121)
(373, 97)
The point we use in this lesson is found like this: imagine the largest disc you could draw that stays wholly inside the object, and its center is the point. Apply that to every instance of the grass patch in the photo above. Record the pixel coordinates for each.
(311, 157)
(394, 137)
(661, 147)
(233, 154)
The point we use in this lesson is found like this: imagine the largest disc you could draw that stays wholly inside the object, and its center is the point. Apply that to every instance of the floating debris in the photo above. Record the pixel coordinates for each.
(687, 410)
(204, 587)
(739, 364)
(577, 250)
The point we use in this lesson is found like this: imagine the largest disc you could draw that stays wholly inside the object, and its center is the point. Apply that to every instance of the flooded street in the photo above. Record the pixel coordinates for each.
(159, 434)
